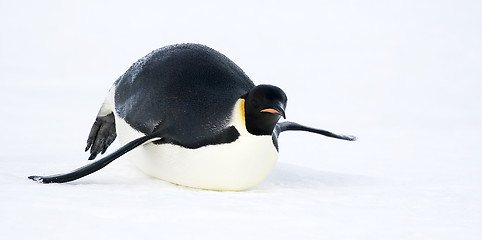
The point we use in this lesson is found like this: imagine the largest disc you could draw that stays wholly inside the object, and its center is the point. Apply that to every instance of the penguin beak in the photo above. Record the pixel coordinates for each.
(274, 111)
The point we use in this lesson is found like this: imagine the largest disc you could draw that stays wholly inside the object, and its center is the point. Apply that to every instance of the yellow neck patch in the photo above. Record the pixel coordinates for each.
(243, 114)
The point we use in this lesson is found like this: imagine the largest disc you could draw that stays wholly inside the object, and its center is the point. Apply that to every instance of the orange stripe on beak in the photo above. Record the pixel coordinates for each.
(270, 110)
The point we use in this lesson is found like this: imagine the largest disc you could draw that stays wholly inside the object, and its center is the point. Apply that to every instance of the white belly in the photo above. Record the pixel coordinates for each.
(236, 166)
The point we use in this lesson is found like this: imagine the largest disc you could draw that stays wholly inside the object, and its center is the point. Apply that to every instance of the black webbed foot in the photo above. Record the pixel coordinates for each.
(101, 135)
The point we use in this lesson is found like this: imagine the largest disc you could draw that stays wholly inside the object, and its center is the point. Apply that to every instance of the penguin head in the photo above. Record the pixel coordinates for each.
(264, 105)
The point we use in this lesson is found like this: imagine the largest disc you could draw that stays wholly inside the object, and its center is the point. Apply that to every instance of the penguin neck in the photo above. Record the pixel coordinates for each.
(260, 127)
(238, 117)
(254, 128)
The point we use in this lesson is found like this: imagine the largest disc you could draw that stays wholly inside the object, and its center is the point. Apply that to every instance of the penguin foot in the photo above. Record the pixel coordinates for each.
(101, 135)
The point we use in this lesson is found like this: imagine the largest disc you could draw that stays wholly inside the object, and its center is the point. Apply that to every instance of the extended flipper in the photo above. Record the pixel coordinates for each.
(95, 166)
(292, 126)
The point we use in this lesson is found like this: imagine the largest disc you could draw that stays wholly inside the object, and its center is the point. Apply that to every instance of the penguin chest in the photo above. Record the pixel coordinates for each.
(235, 166)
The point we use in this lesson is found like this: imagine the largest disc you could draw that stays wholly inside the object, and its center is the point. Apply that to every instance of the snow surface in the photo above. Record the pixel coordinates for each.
(403, 76)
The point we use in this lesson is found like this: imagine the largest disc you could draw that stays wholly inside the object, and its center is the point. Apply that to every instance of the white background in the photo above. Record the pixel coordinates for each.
(403, 76)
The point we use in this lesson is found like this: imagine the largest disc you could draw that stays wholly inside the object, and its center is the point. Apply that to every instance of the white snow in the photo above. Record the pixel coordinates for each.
(403, 76)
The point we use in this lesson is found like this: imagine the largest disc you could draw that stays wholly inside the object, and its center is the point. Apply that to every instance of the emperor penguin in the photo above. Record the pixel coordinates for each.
(188, 115)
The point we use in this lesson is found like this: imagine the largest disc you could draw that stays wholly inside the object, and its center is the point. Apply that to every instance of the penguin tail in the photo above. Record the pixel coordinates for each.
(95, 166)
(292, 126)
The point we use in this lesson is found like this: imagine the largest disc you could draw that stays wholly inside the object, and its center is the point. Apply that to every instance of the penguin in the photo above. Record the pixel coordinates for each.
(188, 115)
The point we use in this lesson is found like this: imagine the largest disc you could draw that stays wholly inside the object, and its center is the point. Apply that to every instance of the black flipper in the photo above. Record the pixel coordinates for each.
(101, 135)
(292, 126)
(95, 166)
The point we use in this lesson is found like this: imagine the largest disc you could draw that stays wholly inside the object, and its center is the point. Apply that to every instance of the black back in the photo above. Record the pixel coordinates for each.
(186, 91)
